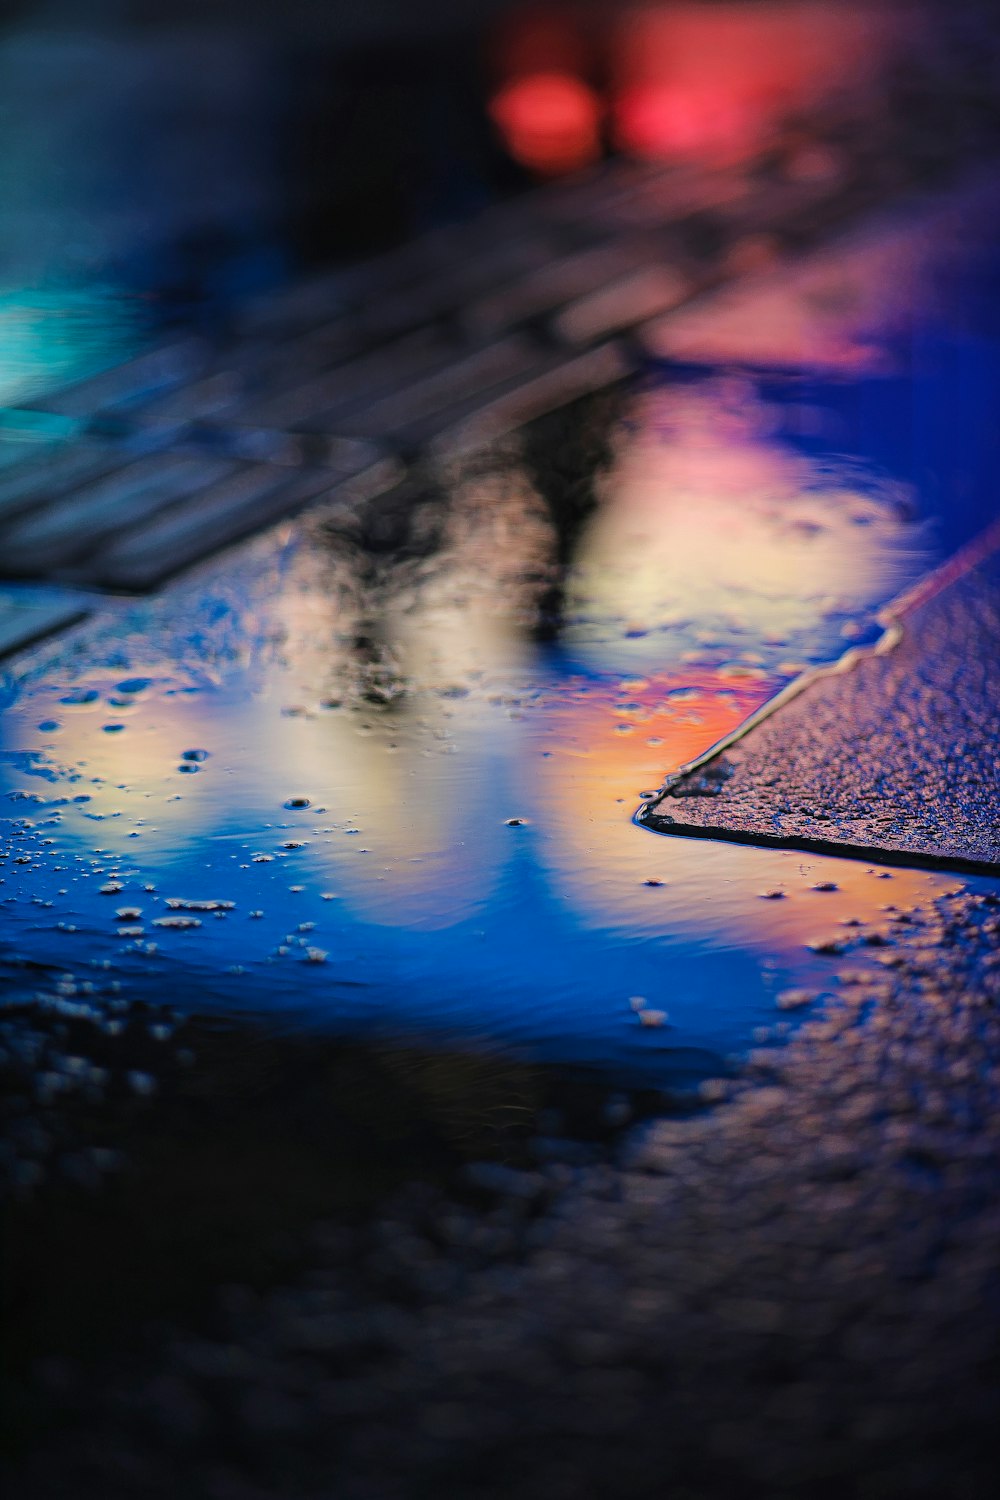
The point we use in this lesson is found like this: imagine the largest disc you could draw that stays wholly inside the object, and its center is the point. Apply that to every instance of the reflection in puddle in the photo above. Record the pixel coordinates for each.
(50, 336)
(420, 792)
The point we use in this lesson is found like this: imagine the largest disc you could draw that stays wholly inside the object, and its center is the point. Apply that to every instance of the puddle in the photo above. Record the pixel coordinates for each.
(377, 773)
(51, 336)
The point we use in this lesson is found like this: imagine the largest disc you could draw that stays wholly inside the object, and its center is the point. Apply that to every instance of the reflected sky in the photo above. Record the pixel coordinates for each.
(407, 748)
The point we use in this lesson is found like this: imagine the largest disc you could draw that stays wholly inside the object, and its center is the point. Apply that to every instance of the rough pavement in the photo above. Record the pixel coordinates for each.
(897, 758)
(795, 1293)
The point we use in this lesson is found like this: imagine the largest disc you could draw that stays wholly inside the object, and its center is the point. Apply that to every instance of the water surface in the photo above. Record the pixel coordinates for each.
(397, 755)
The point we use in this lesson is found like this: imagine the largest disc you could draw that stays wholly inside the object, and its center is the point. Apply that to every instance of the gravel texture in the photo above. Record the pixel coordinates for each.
(793, 1291)
(897, 758)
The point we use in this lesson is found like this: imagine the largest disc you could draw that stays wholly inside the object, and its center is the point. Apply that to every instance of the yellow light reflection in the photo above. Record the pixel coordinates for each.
(710, 519)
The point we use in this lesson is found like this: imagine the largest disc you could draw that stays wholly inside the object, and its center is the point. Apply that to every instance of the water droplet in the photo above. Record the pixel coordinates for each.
(176, 903)
(515, 822)
(826, 946)
(195, 755)
(112, 728)
(294, 802)
(652, 1017)
(49, 726)
(793, 999)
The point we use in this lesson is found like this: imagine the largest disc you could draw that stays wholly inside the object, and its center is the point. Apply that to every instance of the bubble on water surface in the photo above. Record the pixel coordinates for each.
(794, 999)
(178, 903)
(294, 802)
(827, 946)
(738, 669)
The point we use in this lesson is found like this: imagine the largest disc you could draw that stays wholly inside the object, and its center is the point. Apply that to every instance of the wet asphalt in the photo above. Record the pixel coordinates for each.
(243, 1261)
(894, 759)
(791, 1289)
(248, 1263)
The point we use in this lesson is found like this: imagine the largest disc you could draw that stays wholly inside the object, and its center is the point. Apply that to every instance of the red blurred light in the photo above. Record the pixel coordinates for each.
(659, 120)
(716, 81)
(550, 122)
